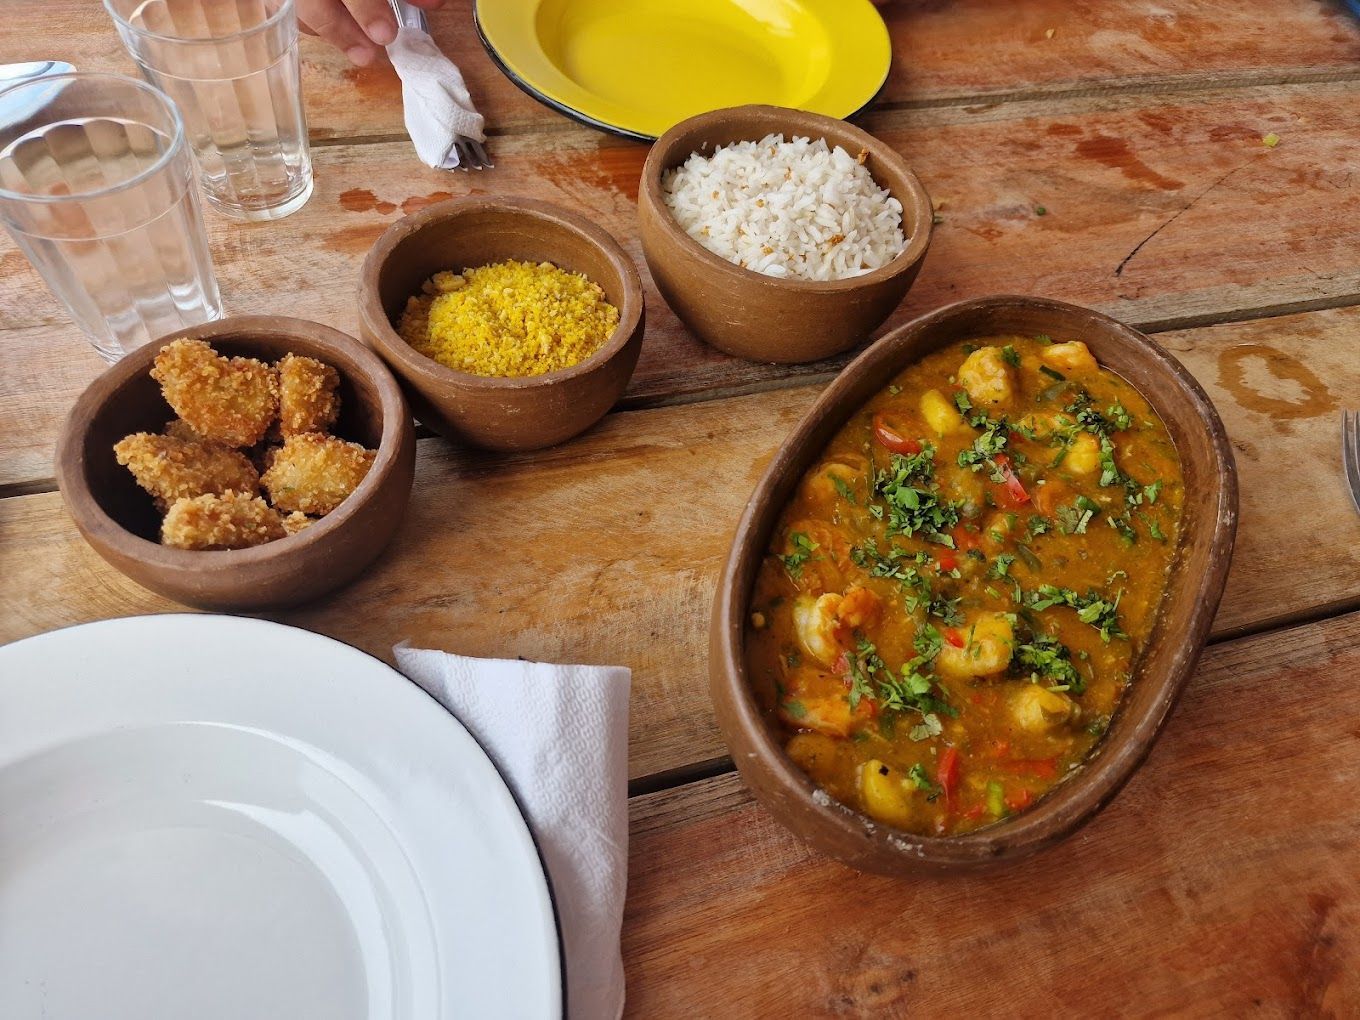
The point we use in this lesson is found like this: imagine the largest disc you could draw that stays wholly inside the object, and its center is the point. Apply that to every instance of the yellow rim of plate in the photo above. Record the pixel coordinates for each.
(858, 54)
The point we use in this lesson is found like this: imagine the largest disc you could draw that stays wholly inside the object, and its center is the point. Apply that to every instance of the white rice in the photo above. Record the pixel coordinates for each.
(787, 209)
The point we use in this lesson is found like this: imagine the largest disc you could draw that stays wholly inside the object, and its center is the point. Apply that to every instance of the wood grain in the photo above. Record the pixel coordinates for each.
(1156, 210)
(1224, 881)
(607, 549)
(968, 51)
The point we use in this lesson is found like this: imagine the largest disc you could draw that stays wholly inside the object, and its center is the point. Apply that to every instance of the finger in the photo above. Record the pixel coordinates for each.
(376, 19)
(332, 21)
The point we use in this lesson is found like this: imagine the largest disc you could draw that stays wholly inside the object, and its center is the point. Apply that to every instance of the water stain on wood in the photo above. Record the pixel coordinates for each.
(1314, 398)
(1116, 154)
(378, 82)
(363, 200)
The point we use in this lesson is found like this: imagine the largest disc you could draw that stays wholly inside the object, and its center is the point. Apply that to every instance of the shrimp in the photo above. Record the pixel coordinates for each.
(819, 701)
(1074, 358)
(1039, 710)
(825, 625)
(982, 648)
(987, 377)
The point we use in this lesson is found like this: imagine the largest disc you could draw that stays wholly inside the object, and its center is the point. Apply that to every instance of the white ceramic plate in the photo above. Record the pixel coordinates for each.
(207, 816)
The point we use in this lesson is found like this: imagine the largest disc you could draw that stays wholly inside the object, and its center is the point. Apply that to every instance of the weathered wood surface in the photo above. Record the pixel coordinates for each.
(1161, 210)
(1224, 881)
(953, 52)
(607, 549)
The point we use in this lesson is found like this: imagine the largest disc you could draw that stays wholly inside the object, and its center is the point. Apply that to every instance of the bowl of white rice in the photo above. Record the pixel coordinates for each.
(779, 235)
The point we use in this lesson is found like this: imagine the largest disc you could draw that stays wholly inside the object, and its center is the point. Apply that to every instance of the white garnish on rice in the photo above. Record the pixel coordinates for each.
(797, 209)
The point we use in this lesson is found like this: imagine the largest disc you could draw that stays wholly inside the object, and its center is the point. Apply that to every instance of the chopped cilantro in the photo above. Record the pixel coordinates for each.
(928, 727)
(1001, 566)
(847, 493)
(1092, 608)
(1052, 373)
(1047, 658)
(1037, 526)
(1010, 356)
(1072, 520)
(1125, 529)
(1152, 491)
(912, 498)
(917, 774)
(795, 709)
(1027, 556)
(803, 548)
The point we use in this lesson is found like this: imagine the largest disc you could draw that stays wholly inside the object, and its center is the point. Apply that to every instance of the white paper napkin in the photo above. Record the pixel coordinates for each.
(437, 105)
(559, 736)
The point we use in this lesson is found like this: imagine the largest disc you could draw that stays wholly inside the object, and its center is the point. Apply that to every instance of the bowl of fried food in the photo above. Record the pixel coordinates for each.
(248, 464)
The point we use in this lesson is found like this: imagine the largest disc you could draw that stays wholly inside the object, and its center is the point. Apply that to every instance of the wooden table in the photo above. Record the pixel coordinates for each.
(1226, 878)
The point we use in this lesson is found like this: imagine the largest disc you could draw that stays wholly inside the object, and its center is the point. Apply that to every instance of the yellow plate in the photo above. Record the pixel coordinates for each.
(637, 67)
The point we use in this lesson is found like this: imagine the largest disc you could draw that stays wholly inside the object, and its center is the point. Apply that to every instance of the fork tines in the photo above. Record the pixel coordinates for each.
(472, 155)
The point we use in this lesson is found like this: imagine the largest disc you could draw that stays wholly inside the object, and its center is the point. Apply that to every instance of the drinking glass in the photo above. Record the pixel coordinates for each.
(232, 68)
(96, 187)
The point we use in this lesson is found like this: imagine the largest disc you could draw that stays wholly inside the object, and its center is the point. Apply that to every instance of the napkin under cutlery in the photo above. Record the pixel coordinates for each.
(559, 736)
(436, 103)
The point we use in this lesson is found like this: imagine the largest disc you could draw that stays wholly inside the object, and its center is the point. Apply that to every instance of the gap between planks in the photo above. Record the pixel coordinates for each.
(820, 374)
(685, 775)
(1152, 85)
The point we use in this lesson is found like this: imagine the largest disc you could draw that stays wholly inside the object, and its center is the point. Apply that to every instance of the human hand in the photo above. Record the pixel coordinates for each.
(358, 28)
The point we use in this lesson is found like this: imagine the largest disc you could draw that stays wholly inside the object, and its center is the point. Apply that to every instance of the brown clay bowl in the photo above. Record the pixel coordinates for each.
(759, 317)
(1182, 625)
(501, 414)
(118, 519)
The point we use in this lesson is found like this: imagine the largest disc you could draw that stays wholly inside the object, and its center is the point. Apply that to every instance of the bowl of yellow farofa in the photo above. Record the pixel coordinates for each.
(512, 324)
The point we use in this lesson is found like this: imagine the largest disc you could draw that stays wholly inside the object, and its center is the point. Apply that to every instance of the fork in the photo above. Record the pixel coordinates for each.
(1350, 452)
(472, 154)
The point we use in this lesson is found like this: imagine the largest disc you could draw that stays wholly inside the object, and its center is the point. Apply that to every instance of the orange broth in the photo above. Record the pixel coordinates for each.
(957, 594)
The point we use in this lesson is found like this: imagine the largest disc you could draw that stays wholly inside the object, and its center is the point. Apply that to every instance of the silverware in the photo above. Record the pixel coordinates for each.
(472, 154)
(1350, 453)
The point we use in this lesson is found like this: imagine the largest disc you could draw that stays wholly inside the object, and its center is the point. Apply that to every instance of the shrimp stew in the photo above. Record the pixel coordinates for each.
(956, 596)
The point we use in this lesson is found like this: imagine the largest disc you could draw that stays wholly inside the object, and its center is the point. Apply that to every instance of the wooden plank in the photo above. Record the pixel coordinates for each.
(607, 549)
(942, 53)
(1139, 198)
(1224, 881)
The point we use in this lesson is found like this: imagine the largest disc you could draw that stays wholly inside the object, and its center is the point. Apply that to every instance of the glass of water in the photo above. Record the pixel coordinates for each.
(96, 187)
(232, 68)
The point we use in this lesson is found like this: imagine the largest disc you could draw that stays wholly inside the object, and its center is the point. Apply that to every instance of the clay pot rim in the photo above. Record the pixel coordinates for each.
(378, 325)
(92, 517)
(916, 203)
(1099, 778)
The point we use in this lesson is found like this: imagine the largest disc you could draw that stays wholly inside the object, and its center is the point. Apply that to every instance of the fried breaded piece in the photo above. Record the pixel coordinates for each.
(309, 400)
(231, 400)
(295, 522)
(171, 468)
(313, 473)
(232, 520)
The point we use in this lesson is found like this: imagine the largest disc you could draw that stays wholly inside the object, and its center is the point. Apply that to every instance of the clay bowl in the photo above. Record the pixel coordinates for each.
(1198, 575)
(759, 317)
(118, 519)
(500, 414)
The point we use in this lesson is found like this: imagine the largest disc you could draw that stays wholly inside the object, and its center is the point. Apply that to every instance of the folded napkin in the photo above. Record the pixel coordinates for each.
(559, 736)
(437, 105)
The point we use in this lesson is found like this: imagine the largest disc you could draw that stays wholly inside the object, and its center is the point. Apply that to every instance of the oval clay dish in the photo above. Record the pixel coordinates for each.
(1197, 577)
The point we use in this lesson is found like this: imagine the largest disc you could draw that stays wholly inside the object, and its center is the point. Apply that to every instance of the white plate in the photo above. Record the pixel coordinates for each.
(207, 816)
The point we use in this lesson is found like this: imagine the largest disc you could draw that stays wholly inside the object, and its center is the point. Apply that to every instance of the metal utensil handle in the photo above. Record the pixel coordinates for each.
(409, 16)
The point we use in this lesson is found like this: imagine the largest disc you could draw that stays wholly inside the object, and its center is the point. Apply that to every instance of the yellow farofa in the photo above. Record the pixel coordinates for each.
(509, 319)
